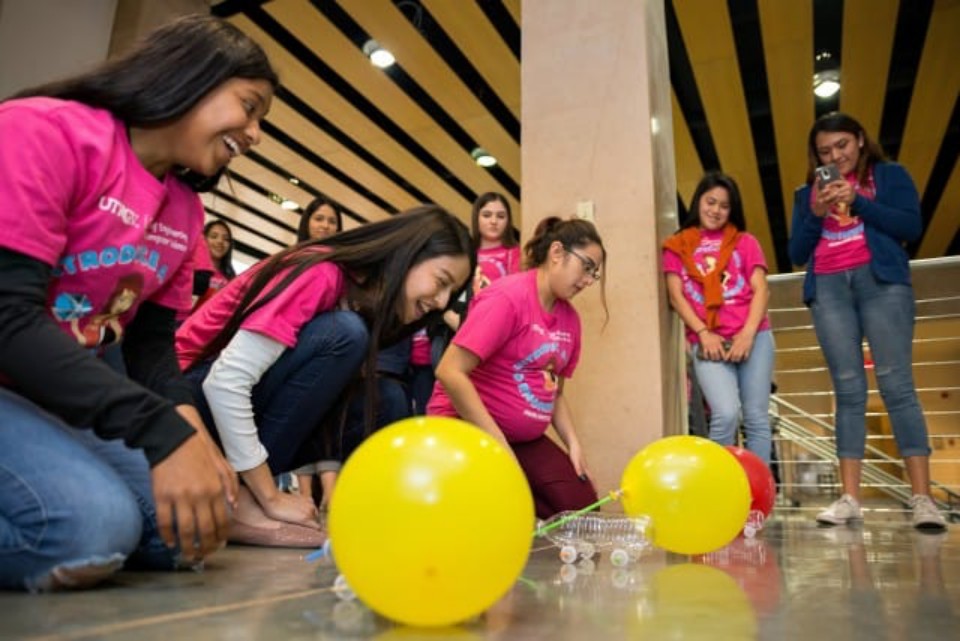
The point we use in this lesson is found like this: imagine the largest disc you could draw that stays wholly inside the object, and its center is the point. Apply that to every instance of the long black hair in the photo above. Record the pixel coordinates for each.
(166, 74)
(376, 258)
(709, 181)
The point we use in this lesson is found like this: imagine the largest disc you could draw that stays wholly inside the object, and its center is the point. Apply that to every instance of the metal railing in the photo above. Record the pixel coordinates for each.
(822, 446)
(805, 442)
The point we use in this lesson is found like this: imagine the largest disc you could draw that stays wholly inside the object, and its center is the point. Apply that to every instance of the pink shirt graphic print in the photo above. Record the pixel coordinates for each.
(77, 198)
(523, 350)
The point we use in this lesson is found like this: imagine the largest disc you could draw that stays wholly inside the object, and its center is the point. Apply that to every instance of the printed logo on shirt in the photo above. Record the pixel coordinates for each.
(732, 286)
(103, 328)
(843, 233)
(126, 215)
(550, 356)
(118, 255)
(112, 256)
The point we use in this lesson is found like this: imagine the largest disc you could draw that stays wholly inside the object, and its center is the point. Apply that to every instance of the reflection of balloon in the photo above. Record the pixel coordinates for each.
(753, 565)
(763, 489)
(695, 602)
(431, 521)
(694, 491)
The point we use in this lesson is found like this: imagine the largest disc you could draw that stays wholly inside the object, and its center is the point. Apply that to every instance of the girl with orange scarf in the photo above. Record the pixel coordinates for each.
(717, 282)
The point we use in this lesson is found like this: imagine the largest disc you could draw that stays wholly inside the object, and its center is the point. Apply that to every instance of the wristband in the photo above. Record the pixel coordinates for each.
(702, 329)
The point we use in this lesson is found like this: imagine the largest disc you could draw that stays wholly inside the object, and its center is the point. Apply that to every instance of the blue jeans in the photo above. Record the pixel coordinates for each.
(393, 405)
(852, 305)
(732, 388)
(69, 499)
(299, 390)
(422, 379)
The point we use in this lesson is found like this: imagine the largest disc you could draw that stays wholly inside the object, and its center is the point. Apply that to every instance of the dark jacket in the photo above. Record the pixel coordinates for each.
(890, 220)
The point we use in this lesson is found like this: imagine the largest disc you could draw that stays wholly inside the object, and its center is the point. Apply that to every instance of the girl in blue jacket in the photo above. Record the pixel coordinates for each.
(849, 227)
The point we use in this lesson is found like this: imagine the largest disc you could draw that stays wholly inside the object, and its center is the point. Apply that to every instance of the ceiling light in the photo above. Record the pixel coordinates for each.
(826, 83)
(379, 56)
(289, 205)
(294, 181)
(482, 157)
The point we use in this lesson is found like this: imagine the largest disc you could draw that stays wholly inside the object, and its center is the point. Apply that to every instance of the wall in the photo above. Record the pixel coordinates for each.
(597, 127)
(42, 40)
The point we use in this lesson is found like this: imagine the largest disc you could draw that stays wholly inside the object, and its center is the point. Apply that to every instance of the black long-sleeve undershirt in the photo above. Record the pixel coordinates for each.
(50, 368)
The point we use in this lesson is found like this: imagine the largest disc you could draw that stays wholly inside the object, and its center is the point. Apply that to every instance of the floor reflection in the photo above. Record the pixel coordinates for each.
(793, 581)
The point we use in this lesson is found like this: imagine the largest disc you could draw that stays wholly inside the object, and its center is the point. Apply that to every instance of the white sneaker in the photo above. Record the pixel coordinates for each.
(841, 511)
(926, 516)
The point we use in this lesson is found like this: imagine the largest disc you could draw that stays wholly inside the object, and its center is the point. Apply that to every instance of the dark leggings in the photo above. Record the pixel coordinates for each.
(553, 481)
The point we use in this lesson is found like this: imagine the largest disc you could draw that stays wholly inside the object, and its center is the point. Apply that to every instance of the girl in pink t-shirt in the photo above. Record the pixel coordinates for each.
(98, 175)
(717, 282)
(498, 255)
(506, 367)
(271, 355)
(214, 263)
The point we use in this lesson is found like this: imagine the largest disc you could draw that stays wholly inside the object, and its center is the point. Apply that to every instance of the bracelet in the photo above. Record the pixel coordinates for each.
(702, 329)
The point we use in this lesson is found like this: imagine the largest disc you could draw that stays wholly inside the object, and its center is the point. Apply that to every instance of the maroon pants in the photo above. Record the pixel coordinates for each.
(553, 481)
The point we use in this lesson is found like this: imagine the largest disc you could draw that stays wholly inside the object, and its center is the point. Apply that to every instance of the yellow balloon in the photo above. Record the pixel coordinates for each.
(695, 602)
(694, 490)
(431, 521)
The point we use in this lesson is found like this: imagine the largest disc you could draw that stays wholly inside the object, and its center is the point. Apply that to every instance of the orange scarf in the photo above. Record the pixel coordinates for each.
(684, 243)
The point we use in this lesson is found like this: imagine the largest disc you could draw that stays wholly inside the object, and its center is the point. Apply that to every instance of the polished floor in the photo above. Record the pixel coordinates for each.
(795, 581)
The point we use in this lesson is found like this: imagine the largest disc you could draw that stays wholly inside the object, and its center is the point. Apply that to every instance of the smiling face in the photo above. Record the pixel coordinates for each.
(492, 221)
(570, 271)
(218, 241)
(429, 285)
(714, 209)
(222, 125)
(322, 223)
(839, 147)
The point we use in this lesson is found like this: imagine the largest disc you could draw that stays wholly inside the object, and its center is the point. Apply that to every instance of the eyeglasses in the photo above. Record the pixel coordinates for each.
(589, 266)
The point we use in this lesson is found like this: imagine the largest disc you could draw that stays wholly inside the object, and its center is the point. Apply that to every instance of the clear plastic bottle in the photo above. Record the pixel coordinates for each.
(581, 537)
(754, 524)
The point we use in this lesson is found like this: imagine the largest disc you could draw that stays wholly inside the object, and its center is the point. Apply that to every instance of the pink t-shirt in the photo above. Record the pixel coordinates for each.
(317, 290)
(523, 349)
(493, 263)
(420, 349)
(75, 196)
(842, 244)
(737, 292)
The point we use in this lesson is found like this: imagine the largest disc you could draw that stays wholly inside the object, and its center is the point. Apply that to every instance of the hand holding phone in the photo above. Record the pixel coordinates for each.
(827, 174)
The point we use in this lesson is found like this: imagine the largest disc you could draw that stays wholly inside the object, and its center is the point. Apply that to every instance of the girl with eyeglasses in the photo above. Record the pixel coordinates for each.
(506, 367)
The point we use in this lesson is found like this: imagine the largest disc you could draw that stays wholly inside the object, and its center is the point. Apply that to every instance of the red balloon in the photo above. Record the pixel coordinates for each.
(763, 489)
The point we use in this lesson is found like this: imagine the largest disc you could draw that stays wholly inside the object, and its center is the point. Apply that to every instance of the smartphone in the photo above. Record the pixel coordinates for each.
(828, 174)
(726, 347)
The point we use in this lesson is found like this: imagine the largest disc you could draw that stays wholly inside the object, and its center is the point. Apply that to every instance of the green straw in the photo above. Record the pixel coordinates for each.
(612, 496)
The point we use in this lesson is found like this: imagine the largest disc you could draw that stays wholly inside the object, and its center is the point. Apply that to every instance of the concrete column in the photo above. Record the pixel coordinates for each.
(597, 128)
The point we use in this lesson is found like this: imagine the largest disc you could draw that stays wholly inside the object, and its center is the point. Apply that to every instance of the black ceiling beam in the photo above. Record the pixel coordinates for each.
(913, 18)
(349, 27)
(745, 18)
(450, 53)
